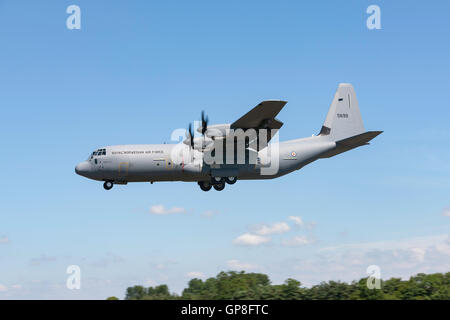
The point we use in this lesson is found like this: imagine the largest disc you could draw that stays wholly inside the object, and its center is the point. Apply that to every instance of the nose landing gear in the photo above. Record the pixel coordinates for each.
(108, 185)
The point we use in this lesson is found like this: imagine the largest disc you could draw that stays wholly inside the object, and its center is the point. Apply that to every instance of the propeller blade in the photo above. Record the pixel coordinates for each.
(204, 122)
(191, 136)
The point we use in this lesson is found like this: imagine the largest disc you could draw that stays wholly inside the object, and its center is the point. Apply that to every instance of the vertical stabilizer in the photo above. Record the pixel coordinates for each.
(343, 118)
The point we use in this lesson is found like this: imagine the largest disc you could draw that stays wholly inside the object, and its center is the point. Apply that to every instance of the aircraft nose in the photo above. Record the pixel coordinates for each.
(83, 168)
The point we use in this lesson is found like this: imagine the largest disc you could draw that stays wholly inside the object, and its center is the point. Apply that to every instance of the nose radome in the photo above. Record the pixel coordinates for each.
(82, 168)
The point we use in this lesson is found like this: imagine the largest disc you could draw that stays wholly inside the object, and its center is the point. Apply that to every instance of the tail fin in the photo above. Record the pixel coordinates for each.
(343, 118)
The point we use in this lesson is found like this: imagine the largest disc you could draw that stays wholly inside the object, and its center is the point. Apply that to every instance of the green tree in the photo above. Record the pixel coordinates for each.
(242, 285)
(195, 290)
(135, 293)
(332, 290)
(160, 292)
(291, 290)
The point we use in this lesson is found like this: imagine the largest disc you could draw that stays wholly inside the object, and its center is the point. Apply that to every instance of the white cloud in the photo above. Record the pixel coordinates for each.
(417, 242)
(161, 210)
(297, 241)
(4, 240)
(3, 288)
(264, 230)
(249, 239)
(259, 233)
(16, 286)
(396, 258)
(297, 220)
(239, 265)
(418, 254)
(195, 274)
(446, 212)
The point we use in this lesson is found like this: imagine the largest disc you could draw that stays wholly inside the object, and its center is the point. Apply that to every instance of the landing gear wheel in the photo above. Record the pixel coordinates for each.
(204, 185)
(218, 180)
(108, 185)
(230, 180)
(219, 186)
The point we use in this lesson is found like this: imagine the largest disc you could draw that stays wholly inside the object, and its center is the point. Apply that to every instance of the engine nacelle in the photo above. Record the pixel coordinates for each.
(216, 130)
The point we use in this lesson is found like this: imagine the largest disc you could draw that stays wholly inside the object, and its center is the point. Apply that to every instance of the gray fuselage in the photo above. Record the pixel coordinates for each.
(155, 162)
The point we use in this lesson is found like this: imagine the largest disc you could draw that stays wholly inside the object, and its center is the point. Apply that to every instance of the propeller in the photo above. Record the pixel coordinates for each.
(190, 133)
(204, 122)
(191, 136)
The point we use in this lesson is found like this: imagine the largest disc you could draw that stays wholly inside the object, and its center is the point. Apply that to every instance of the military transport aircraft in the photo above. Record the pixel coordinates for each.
(224, 153)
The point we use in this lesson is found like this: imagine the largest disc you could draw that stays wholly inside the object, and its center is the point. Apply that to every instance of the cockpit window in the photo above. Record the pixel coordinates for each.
(98, 152)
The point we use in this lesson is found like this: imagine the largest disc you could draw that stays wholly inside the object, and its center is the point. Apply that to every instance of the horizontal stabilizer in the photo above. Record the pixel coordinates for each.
(351, 143)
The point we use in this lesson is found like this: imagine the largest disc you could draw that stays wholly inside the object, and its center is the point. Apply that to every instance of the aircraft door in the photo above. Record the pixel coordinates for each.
(123, 169)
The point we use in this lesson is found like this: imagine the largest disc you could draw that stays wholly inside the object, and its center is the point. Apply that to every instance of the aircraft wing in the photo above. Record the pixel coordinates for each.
(261, 117)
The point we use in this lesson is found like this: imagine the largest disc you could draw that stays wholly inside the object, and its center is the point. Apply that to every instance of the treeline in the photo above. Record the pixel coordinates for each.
(240, 285)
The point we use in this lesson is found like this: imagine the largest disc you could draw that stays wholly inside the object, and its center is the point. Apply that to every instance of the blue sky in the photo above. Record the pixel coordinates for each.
(138, 70)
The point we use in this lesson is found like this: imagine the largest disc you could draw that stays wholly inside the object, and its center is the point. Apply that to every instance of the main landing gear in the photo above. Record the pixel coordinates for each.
(230, 180)
(217, 182)
(205, 185)
(219, 186)
(108, 185)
